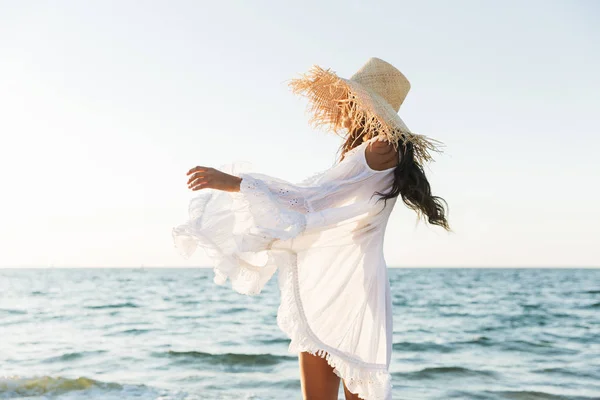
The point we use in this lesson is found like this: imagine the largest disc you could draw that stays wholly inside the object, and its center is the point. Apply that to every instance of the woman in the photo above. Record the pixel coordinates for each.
(325, 235)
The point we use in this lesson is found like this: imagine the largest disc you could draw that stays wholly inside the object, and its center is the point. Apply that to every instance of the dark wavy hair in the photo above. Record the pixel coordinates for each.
(410, 183)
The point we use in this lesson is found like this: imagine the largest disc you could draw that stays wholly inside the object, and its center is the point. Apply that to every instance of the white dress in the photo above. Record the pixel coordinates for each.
(325, 235)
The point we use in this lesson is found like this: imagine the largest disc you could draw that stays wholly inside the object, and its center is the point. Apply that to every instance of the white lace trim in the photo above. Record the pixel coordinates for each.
(279, 222)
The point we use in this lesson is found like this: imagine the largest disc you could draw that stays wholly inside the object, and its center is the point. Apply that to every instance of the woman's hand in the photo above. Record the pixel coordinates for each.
(206, 177)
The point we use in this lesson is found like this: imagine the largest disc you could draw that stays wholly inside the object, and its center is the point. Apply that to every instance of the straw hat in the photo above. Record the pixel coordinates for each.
(370, 99)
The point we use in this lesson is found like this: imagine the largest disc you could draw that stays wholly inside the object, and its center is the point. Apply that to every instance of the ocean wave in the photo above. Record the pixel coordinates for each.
(532, 395)
(234, 310)
(189, 302)
(593, 305)
(49, 387)
(444, 373)
(542, 347)
(524, 320)
(14, 387)
(190, 316)
(483, 341)
(567, 372)
(271, 341)
(510, 395)
(421, 347)
(117, 305)
(130, 332)
(479, 340)
(12, 311)
(227, 359)
(72, 356)
(532, 306)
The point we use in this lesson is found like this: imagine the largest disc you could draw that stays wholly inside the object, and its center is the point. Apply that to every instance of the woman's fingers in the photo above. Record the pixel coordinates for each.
(198, 180)
(199, 177)
(196, 175)
(198, 185)
(203, 177)
(195, 169)
(199, 169)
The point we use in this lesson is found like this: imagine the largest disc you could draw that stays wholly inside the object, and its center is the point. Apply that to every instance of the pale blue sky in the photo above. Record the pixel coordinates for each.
(104, 105)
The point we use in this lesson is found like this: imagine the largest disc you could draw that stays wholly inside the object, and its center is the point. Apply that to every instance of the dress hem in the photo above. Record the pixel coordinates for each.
(369, 381)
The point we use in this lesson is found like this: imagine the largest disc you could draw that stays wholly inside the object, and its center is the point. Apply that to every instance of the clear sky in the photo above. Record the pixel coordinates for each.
(105, 105)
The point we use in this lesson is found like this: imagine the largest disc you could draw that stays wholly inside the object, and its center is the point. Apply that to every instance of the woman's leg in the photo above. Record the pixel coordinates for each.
(349, 395)
(317, 378)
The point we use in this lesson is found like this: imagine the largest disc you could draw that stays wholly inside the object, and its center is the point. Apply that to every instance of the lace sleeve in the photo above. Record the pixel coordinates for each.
(238, 229)
(327, 189)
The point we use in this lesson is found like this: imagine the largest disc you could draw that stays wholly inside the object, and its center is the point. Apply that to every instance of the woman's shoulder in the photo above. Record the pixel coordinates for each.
(380, 155)
(372, 156)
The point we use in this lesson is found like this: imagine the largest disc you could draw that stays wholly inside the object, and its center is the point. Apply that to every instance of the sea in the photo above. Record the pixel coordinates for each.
(143, 333)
